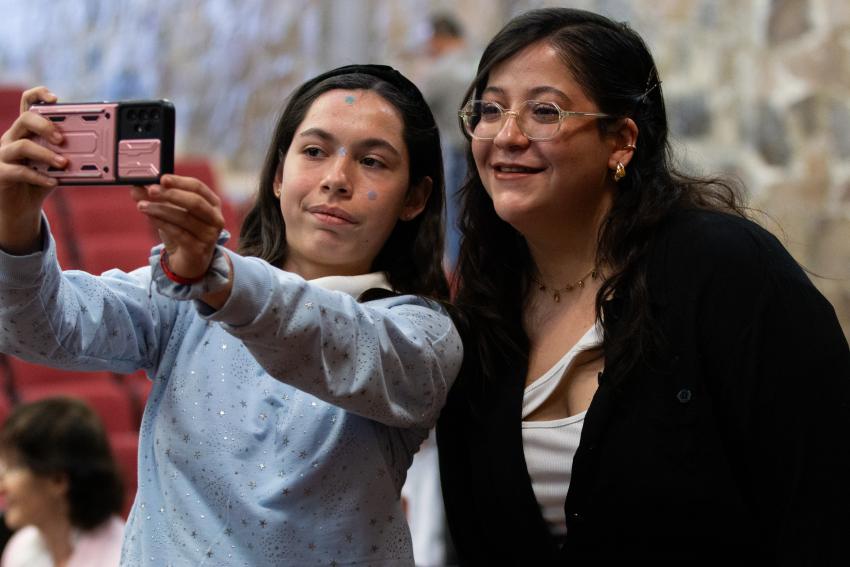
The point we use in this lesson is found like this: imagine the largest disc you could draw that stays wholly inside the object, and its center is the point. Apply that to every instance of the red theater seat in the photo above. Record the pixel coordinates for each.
(101, 390)
(105, 227)
(5, 408)
(94, 211)
(10, 105)
(125, 252)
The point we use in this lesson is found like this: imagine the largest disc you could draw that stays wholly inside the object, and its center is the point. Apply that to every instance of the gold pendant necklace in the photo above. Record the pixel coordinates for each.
(556, 293)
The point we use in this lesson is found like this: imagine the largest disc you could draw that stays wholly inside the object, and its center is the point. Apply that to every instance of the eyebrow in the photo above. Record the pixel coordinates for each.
(367, 143)
(533, 93)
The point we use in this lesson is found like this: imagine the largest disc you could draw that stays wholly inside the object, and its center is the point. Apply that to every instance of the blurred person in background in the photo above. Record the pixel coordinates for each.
(61, 487)
(444, 79)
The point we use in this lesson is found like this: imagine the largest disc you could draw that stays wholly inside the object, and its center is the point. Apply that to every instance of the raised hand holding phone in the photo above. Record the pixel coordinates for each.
(189, 219)
(23, 189)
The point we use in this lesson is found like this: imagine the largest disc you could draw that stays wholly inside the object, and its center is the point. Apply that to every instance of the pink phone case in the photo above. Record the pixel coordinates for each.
(111, 143)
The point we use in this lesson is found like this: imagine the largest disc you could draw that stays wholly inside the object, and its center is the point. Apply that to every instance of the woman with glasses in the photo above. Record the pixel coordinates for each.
(648, 374)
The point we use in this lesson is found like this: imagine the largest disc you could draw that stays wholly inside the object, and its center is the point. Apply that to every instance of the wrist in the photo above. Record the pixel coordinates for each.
(21, 234)
(215, 279)
(178, 279)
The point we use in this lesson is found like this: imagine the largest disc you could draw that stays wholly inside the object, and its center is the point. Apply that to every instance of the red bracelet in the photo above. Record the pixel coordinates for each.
(163, 263)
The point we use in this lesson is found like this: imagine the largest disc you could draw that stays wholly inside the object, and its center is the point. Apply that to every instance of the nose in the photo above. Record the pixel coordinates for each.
(510, 136)
(336, 180)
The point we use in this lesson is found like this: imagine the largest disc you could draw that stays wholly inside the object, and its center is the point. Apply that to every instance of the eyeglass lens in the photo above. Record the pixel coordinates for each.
(536, 120)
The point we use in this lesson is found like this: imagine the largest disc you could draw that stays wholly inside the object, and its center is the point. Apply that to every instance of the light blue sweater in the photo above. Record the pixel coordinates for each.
(237, 467)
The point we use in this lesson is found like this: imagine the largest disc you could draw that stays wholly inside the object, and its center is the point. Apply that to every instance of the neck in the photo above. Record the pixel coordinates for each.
(313, 271)
(563, 242)
(566, 253)
(560, 264)
(57, 537)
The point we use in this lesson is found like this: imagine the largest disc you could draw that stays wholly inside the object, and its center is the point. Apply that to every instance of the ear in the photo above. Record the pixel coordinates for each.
(417, 198)
(277, 184)
(623, 139)
(58, 484)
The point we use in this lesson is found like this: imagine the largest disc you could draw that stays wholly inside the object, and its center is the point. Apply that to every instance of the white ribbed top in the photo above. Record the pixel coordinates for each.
(550, 446)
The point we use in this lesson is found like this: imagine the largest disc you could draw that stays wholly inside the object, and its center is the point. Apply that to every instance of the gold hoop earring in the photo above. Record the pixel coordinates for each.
(620, 172)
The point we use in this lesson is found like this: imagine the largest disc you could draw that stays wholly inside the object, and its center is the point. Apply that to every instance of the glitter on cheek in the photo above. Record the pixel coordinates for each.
(372, 195)
(349, 99)
(341, 151)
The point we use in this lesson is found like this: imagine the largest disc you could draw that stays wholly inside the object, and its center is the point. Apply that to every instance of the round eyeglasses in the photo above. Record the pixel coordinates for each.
(537, 120)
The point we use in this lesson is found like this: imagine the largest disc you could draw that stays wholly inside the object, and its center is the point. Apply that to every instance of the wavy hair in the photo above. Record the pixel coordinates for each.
(616, 70)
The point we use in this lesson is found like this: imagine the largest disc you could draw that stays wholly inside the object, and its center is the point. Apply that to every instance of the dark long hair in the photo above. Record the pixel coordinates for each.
(412, 255)
(64, 436)
(616, 70)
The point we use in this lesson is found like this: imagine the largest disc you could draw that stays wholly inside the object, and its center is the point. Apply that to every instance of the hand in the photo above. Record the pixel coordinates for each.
(22, 189)
(188, 216)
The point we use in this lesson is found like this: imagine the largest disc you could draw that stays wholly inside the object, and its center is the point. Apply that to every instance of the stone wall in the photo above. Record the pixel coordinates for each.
(759, 89)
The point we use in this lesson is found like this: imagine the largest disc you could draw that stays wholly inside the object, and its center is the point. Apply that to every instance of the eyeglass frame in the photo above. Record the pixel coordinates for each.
(464, 114)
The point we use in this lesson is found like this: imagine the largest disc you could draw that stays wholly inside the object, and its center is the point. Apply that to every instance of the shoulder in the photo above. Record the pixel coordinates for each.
(26, 548)
(427, 315)
(100, 546)
(715, 233)
(728, 271)
(716, 245)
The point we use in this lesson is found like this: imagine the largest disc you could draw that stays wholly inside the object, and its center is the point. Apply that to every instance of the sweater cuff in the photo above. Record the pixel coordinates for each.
(216, 278)
(26, 270)
(253, 282)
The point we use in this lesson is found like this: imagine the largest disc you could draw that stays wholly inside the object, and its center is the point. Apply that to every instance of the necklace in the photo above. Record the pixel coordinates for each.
(556, 292)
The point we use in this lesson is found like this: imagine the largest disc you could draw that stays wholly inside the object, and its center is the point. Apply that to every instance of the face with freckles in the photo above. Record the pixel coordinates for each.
(344, 184)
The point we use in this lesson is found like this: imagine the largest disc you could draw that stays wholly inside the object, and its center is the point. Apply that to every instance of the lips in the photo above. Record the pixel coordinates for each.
(515, 168)
(331, 215)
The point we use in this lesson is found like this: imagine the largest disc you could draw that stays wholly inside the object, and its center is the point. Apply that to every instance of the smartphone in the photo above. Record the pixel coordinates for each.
(111, 143)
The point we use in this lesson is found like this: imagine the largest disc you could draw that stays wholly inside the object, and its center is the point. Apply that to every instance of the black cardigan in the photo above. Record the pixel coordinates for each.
(732, 449)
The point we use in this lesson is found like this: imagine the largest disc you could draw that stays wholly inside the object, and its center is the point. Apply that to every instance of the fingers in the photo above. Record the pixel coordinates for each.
(185, 220)
(190, 184)
(18, 173)
(189, 219)
(28, 151)
(191, 204)
(176, 238)
(187, 256)
(140, 193)
(36, 94)
(29, 124)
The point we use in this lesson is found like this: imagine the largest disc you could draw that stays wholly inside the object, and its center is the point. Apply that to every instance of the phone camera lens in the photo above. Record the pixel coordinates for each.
(131, 114)
(143, 115)
(139, 128)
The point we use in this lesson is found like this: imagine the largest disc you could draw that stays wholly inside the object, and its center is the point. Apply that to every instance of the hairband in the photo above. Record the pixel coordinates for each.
(383, 72)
